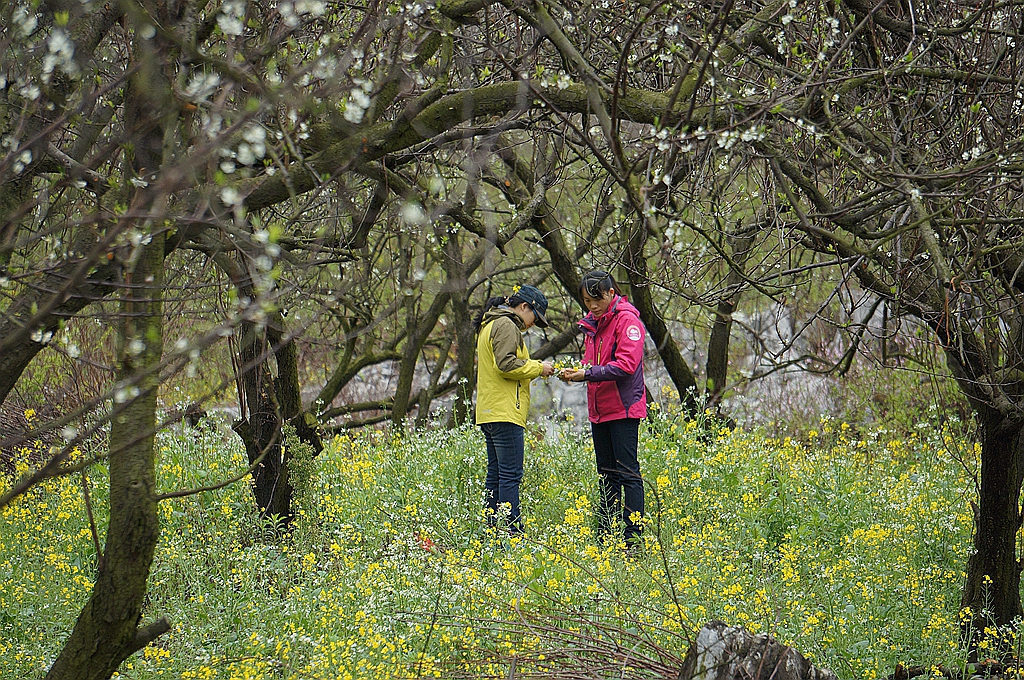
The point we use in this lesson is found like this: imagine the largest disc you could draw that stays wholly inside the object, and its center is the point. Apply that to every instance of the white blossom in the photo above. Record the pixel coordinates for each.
(256, 138)
(25, 20)
(413, 213)
(202, 85)
(245, 154)
(230, 19)
(21, 161)
(29, 91)
(59, 52)
(41, 336)
(230, 196)
(358, 102)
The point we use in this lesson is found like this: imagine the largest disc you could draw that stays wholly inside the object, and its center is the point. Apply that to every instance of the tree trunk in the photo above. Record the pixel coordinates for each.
(427, 394)
(465, 339)
(993, 571)
(465, 352)
(107, 631)
(718, 345)
(420, 328)
(640, 291)
(260, 428)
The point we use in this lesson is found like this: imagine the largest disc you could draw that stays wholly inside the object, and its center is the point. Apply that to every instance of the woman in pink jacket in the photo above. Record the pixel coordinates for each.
(616, 398)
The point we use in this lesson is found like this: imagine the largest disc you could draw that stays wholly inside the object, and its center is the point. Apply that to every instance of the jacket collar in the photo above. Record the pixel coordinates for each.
(590, 325)
(498, 312)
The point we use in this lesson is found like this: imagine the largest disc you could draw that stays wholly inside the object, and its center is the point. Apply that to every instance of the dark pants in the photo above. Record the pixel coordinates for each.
(504, 470)
(622, 487)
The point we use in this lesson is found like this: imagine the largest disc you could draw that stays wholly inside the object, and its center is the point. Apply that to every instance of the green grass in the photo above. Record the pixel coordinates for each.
(848, 545)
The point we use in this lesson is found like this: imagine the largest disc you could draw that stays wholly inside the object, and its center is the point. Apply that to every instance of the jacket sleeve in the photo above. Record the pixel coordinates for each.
(629, 351)
(505, 339)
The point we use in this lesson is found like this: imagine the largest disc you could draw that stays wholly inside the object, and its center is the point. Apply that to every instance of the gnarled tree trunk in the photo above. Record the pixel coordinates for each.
(993, 571)
(107, 631)
(717, 372)
(640, 291)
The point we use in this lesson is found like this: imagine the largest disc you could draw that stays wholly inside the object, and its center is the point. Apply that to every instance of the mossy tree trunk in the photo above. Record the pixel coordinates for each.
(107, 631)
(992, 586)
(640, 292)
(717, 371)
(272, 399)
(465, 345)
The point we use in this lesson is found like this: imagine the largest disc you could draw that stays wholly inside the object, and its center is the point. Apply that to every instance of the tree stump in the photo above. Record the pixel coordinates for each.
(723, 652)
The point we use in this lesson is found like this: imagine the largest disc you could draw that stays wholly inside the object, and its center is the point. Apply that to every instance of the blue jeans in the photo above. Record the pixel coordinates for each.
(622, 487)
(504, 471)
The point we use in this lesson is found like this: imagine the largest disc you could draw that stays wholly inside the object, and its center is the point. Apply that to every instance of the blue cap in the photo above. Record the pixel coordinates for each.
(538, 303)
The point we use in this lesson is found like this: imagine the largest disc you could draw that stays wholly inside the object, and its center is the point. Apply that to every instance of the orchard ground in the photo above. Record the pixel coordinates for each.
(848, 544)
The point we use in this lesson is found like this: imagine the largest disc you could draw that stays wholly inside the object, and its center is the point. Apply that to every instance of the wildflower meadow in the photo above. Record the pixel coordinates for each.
(846, 543)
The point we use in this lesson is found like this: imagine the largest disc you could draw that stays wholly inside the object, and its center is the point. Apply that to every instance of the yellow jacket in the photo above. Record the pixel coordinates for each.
(504, 369)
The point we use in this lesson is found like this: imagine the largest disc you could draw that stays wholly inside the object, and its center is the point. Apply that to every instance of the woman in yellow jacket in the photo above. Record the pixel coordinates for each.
(504, 372)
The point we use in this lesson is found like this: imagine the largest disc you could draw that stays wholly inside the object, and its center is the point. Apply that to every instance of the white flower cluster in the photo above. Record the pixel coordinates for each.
(211, 123)
(125, 392)
(975, 152)
(138, 238)
(70, 348)
(269, 246)
(60, 52)
(230, 196)
(358, 101)
(23, 159)
(662, 137)
(413, 213)
(292, 11)
(559, 81)
(201, 86)
(726, 139)
(230, 18)
(254, 145)
(136, 347)
(413, 10)
(325, 67)
(25, 20)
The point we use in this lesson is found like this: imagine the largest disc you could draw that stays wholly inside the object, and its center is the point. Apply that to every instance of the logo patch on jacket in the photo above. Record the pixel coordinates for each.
(633, 333)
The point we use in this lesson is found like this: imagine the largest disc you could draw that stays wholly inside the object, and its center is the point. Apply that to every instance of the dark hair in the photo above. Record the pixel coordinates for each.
(596, 283)
(513, 301)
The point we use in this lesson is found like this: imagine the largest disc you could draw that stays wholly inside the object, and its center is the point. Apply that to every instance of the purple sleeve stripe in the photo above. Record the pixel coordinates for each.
(600, 373)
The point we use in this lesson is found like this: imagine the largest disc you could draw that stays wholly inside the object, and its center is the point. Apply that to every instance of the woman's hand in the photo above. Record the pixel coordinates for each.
(546, 369)
(569, 375)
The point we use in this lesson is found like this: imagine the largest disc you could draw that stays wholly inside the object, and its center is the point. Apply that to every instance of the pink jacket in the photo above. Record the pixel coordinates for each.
(614, 348)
